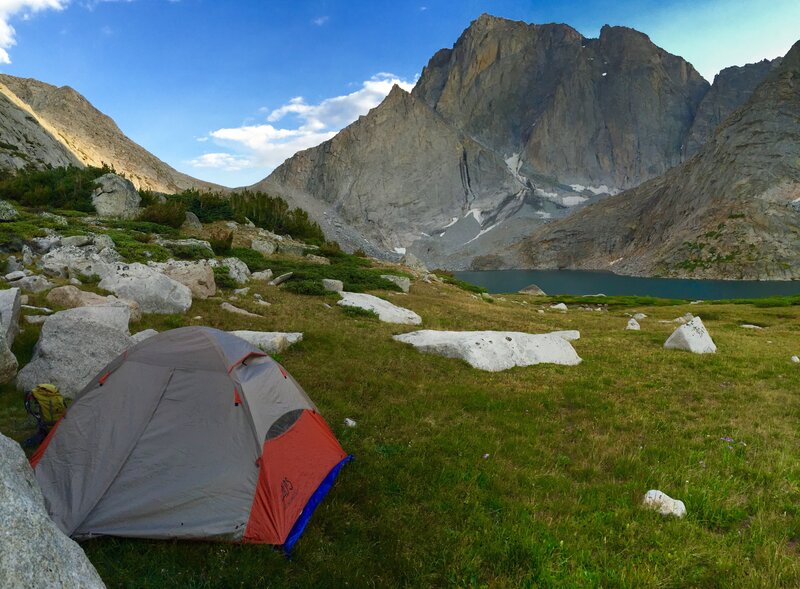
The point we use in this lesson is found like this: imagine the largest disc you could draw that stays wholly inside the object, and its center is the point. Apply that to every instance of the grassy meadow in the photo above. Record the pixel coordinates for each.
(571, 451)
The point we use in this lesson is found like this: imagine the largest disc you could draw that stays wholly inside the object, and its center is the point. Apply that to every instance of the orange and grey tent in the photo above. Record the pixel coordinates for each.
(193, 433)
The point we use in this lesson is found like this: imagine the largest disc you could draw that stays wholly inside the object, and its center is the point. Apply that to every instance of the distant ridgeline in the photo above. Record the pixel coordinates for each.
(70, 188)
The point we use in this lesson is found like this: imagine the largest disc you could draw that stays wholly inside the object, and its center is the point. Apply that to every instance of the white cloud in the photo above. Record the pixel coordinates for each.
(22, 8)
(295, 126)
(321, 20)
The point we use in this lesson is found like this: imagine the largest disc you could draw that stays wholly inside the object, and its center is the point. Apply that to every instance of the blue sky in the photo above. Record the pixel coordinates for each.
(225, 90)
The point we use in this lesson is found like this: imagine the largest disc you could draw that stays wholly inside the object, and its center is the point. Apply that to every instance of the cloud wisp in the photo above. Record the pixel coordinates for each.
(10, 9)
(294, 126)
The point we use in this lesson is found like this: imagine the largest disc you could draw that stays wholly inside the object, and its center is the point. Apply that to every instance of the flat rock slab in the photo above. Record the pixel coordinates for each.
(33, 551)
(155, 292)
(270, 342)
(386, 311)
(494, 350)
(403, 282)
(692, 337)
(570, 335)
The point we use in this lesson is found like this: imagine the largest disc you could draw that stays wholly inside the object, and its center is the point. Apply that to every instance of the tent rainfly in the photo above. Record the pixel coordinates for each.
(192, 434)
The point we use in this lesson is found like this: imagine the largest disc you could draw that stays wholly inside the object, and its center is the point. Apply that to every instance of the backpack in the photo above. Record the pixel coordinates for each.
(45, 404)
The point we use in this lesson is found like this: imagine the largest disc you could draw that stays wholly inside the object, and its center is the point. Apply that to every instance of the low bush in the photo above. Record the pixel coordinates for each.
(223, 279)
(255, 261)
(221, 242)
(64, 188)
(355, 273)
(171, 213)
(136, 247)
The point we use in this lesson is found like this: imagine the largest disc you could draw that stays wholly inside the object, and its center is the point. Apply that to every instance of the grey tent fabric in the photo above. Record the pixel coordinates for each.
(173, 426)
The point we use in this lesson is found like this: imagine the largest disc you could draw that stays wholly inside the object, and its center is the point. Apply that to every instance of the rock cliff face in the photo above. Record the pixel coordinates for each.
(733, 210)
(60, 127)
(610, 111)
(513, 127)
(732, 87)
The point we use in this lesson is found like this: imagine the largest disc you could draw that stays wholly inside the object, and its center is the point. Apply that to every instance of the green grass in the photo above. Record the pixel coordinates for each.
(571, 452)
(356, 274)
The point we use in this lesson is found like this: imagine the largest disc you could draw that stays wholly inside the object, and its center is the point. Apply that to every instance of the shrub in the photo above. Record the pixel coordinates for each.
(221, 242)
(306, 287)
(208, 206)
(273, 213)
(171, 213)
(359, 312)
(64, 188)
(354, 272)
(136, 247)
(190, 252)
(254, 260)
(222, 276)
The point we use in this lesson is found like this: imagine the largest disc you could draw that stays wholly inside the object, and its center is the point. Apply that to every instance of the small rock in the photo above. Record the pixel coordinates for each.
(322, 261)
(192, 221)
(35, 319)
(532, 289)
(663, 503)
(640, 316)
(749, 326)
(292, 249)
(332, 285)
(403, 282)
(102, 241)
(76, 241)
(232, 309)
(633, 325)
(27, 255)
(281, 279)
(13, 265)
(350, 422)
(241, 291)
(143, 335)
(8, 212)
(540, 311)
(71, 297)
(692, 337)
(796, 359)
(57, 219)
(262, 276)
(263, 246)
(15, 275)
(34, 283)
(559, 307)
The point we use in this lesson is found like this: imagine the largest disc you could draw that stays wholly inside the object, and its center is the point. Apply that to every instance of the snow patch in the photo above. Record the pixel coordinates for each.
(514, 163)
(544, 215)
(571, 201)
(577, 187)
(483, 232)
(477, 215)
(605, 74)
(615, 261)
(400, 250)
(545, 194)
(452, 222)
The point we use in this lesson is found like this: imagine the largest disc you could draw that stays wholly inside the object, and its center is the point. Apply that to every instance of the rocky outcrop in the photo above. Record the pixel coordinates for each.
(74, 346)
(731, 211)
(732, 87)
(59, 127)
(115, 197)
(33, 551)
(197, 276)
(494, 350)
(8, 362)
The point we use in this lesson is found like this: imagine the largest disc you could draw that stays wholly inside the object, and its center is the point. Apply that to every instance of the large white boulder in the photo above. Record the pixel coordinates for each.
(155, 292)
(9, 313)
(34, 283)
(663, 503)
(115, 197)
(74, 346)
(692, 337)
(33, 551)
(69, 261)
(270, 342)
(198, 276)
(633, 325)
(8, 362)
(570, 335)
(70, 297)
(386, 311)
(494, 350)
